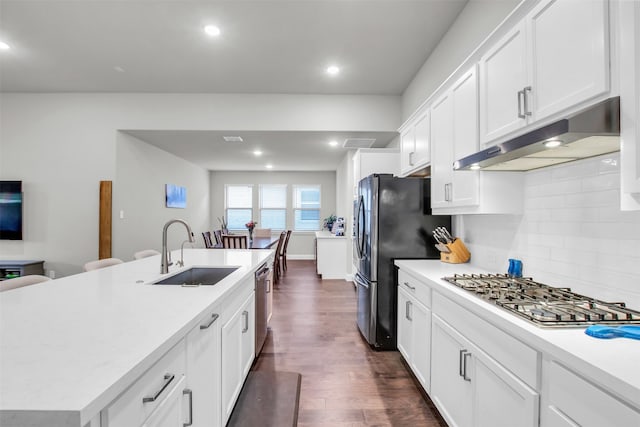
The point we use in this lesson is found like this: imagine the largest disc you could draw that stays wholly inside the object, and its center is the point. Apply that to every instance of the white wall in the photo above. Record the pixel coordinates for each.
(474, 23)
(345, 179)
(142, 171)
(300, 242)
(62, 145)
(571, 234)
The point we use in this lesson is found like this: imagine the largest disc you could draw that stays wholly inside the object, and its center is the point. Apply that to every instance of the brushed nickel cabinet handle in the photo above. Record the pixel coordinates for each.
(409, 286)
(190, 394)
(411, 158)
(214, 317)
(526, 91)
(409, 304)
(268, 285)
(167, 380)
(464, 363)
(460, 357)
(245, 328)
(520, 96)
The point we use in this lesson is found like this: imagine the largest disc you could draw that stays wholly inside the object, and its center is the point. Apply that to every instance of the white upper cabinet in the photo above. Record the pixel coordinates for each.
(415, 145)
(556, 59)
(442, 139)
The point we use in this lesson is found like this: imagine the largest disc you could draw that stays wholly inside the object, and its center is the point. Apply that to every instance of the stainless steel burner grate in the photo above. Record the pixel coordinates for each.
(541, 304)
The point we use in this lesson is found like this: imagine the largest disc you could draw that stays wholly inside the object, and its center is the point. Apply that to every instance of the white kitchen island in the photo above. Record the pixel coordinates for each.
(331, 250)
(486, 362)
(71, 347)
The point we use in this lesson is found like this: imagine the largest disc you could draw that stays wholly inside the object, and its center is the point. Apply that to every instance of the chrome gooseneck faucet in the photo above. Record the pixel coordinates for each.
(165, 259)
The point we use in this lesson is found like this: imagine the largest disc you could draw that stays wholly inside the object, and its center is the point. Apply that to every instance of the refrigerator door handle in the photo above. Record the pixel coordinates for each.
(360, 224)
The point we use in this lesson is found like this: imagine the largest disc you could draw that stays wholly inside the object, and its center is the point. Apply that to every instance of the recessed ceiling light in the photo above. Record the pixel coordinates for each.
(269, 166)
(553, 143)
(332, 70)
(257, 153)
(4, 46)
(212, 30)
(333, 143)
(119, 69)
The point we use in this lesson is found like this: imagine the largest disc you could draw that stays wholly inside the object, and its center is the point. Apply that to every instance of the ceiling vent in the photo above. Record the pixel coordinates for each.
(232, 139)
(358, 142)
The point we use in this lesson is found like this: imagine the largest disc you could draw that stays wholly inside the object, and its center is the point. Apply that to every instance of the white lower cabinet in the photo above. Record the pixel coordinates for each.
(156, 398)
(203, 371)
(471, 389)
(414, 332)
(573, 401)
(238, 347)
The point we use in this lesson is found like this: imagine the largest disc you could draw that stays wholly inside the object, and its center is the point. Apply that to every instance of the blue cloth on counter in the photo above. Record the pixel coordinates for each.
(607, 332)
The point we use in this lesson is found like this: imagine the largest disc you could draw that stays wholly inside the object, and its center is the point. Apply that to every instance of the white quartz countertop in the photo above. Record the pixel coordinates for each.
(73, 344)
(611, 364)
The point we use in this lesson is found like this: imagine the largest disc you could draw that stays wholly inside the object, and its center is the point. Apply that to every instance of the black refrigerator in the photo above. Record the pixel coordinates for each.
(392, 221)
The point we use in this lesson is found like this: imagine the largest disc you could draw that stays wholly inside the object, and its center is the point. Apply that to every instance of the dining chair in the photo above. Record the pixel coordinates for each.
(101, 263)
(19, 282)
(234, 242)
(283, 254)
(276, 258)
(262, 232)
(218, 236)
(145, 253)
(207, 240)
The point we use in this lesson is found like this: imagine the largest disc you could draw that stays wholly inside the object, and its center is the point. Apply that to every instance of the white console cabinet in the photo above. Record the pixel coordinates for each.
(331, 252)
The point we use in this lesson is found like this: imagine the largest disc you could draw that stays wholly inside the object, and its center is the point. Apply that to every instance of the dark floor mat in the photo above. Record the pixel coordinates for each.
(268, 399)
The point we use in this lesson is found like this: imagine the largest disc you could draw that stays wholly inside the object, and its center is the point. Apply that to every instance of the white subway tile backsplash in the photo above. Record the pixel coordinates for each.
(571, 234)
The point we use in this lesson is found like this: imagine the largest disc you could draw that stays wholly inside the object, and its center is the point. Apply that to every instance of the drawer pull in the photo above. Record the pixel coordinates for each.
(167, 380)
(460, 356)
(245, 328)
(190, 393)
(409, 286)
(214, 317)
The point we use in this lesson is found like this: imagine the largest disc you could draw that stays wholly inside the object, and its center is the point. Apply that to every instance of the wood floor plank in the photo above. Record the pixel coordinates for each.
(344, 383)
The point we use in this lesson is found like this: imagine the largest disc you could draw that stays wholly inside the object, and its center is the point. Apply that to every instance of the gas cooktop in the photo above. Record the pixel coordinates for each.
(543, 305)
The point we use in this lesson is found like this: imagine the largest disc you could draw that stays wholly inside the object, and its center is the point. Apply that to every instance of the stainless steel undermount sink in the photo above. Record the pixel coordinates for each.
(198, 276)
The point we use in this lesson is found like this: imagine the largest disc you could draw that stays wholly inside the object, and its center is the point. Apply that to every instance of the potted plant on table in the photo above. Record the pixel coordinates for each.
(329, 221)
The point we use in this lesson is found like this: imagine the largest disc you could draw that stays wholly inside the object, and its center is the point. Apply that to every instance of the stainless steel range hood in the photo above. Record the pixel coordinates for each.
(591, 132)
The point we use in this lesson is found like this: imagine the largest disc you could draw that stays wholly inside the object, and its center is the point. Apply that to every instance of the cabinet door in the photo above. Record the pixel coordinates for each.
(464, 97)
(569, 46)
(405, 325)
(237, 354)
(270, 296)
(421, 343)
(449, 391)
(422, 154)
(500, 398)
(503, 74)
(203, 371)
(407, 149)
(169, 412)
(442, 152)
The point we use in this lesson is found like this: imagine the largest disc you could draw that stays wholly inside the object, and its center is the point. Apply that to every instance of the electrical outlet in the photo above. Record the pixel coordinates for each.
(52, 274)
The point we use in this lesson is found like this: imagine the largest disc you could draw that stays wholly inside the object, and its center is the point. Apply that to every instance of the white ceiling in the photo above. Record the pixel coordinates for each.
(266, 46)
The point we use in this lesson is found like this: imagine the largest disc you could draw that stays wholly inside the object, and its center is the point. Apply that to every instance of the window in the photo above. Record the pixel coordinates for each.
(273, 207)
(238, 203)
(306, 207)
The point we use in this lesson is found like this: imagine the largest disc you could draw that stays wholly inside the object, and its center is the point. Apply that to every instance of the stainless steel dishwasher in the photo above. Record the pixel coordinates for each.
(262, 288)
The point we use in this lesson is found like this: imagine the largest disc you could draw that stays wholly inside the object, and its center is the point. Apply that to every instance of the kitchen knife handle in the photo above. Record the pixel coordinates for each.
(520, 96)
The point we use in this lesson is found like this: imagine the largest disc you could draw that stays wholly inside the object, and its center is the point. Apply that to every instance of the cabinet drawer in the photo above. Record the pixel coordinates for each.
(517, 357)
(415, 288)
(572, 397)
(134, 406)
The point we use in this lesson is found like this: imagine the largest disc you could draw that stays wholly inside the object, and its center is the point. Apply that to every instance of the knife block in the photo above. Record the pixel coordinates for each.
(459, 253)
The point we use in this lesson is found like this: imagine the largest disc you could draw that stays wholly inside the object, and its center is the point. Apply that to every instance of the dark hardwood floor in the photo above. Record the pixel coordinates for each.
(344, 382)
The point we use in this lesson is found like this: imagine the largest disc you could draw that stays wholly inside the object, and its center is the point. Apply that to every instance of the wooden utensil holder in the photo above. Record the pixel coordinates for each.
(459, 253)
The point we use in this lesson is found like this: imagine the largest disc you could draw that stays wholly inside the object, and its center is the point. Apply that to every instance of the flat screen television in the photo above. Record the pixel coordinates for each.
(11, 210)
